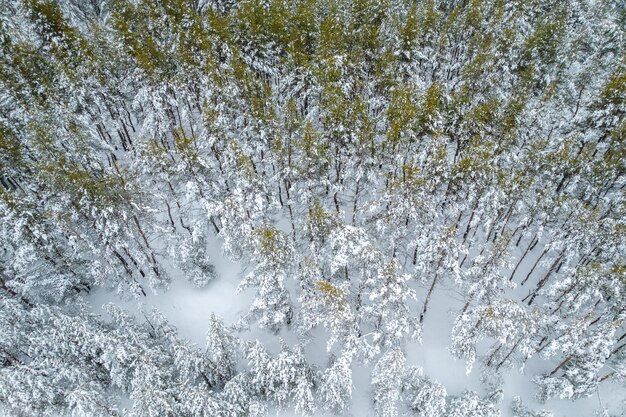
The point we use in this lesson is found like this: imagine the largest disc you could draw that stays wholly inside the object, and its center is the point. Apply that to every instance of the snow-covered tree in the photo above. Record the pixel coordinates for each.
(470, 404)
(272, 306)
(387, 382)
(360, 161)
(336, 383)
(424, 397)
(286, 379)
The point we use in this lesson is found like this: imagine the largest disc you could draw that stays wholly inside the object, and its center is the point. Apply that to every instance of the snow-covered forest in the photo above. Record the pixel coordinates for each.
(367, 208)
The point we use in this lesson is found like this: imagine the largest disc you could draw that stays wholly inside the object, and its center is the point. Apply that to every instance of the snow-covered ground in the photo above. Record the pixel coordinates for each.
(188, 308)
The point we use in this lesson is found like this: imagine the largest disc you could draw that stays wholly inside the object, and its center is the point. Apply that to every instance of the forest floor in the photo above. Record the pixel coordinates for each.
(189, 308)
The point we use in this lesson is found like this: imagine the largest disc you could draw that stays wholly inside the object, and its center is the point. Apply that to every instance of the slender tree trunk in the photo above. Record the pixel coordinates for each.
(542, 282)
(528, 249)
(293, 226)
(356, 199)
(169, 213)
(430, 293)
(560, 365)
(6, 289)
(508, 355)
(545, 250)
(469, 224)
(151, 257)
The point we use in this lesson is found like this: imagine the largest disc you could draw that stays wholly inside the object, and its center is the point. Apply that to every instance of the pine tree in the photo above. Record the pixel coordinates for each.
(424, 397)
(336, 383)
(384, 155)
(386, 382)
(221, 348)
(272, 306)
(469, 403)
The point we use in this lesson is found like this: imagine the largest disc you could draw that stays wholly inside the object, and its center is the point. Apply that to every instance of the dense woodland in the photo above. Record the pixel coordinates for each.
(357, 157)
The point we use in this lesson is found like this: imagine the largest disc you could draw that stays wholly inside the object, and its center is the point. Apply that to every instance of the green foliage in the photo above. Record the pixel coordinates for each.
(543, 44)
(401, 114)
(431, 109)
(320, 222)
(104, 191)
(244, 164)
(331, 294)
(390, 145)
(409, 32)
(50, 22)
(315, 158)
(333, 35)
(614, 91)
(10, 149)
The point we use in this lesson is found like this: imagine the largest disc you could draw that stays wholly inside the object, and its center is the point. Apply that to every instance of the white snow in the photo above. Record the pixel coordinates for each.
(188, 308)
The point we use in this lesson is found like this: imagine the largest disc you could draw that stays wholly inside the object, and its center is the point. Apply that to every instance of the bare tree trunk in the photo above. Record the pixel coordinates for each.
(293, 226)
(151, 257)
(6, 289)
(508, 355)
(545, 250)
(555, 266)
(560, 365)
(430, 292)
(356, 199)
(528, 249)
